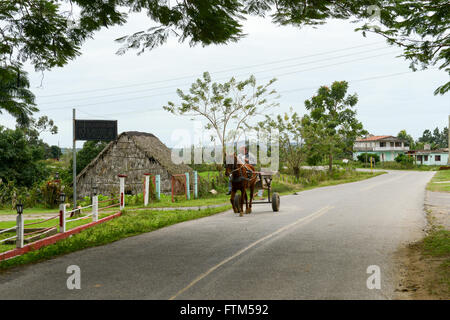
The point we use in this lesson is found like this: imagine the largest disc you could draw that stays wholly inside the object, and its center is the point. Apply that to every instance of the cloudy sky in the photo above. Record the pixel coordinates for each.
(132, 89)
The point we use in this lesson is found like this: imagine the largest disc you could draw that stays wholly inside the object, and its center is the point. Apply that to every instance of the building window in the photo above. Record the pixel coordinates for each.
(437, 158)
(398, 144)
(382, 144)
(425, 158)
(392, 144)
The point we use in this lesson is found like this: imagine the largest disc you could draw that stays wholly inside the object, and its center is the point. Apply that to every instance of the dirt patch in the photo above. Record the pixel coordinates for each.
(421, 275)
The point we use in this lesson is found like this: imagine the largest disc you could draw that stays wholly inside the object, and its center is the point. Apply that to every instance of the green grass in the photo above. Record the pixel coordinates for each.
(40, 209)
(127, 225)
(180, 201)
(54, 222)
(46, 224)
(392, 165)
(440, 176)
(437, 244)
(204, 174)
(343, 177)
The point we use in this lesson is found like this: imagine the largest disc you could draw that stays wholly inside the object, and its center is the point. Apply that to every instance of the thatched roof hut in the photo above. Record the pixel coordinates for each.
(133, 154)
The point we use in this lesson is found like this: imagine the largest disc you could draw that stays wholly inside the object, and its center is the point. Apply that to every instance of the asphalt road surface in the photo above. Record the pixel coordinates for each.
(319, 246)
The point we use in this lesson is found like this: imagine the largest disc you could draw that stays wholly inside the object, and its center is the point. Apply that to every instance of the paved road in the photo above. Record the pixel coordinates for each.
(318, 246)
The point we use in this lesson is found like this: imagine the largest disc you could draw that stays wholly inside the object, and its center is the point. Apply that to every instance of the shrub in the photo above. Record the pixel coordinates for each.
(365, 157)
(403, 158)
(50, 193)
(203, 187)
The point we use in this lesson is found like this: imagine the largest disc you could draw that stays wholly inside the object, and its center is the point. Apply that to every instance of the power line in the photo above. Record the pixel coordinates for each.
(284, 91)
(328, 65)
(168, 93)
(359, 80)
(214, 72)
(186, 84)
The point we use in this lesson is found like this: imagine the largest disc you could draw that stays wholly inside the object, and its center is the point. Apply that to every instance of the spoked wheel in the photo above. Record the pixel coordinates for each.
(275, 202)
(237, 201)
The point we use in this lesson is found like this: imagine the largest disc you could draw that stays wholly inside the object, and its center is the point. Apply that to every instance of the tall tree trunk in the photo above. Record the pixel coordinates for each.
(330, 163)
(296, 172)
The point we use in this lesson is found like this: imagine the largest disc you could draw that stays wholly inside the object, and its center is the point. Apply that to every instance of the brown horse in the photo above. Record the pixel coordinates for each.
(243, 177)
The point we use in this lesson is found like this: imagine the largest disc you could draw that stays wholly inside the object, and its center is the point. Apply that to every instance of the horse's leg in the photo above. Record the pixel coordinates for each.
(241, 203)
(246, 203)
(252, 193)
(233, 193)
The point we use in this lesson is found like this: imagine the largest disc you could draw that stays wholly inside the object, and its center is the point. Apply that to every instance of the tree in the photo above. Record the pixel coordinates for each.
(427, 137)
(54, 152)
(404, 159)
(89, 151)
(32, 132)
(406, 137)
(19, 160)
(290, 138)
(419, 27)
(365, 157)
(15, 98)
(331, 121)
(48, 33)
(435, 139)
(440, 138)
(444, 138)
(226, 105)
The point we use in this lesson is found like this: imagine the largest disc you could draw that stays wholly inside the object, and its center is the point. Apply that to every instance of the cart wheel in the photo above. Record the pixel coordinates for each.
(276, 202)
(237, 201)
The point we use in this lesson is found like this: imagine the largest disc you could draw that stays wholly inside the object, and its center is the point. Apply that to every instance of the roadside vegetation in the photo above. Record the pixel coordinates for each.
(127, 225)
(440, 182)
(47, 224)
(427, 262)
(393, 165)
(433, 264)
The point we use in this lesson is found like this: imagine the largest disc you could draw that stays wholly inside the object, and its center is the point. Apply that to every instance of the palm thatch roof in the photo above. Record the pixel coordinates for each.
(151, 146)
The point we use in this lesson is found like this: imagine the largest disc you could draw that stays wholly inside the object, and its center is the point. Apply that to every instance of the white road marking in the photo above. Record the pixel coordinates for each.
(303, 220)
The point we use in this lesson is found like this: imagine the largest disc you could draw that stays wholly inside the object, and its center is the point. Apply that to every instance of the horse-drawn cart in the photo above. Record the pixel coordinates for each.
(264, 183)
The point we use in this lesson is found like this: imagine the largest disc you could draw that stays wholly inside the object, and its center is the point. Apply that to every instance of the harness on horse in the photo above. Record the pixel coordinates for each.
(240, 178)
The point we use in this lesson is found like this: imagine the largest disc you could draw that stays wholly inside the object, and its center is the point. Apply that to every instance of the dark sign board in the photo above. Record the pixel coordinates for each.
(95, 130)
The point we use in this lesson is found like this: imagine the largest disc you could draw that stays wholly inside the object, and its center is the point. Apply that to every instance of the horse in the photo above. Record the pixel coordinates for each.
(243, 176)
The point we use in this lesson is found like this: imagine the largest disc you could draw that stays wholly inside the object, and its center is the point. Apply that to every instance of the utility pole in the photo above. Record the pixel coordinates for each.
(74, 165)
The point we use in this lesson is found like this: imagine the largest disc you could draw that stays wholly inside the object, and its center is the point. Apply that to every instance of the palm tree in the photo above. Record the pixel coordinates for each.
(15, 98)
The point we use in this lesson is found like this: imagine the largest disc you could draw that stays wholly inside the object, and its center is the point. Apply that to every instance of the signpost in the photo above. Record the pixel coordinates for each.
(95, 130)
(90, 130)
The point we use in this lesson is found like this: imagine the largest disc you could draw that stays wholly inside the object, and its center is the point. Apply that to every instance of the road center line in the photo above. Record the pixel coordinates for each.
(303, 220)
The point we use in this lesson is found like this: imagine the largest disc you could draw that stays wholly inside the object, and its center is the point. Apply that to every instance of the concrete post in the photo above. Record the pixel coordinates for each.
(146, 188)
(62, 218)
(95, 208)
(19, 231)
(158, 186)
(122, 190)
(188, 189)
(195, 185)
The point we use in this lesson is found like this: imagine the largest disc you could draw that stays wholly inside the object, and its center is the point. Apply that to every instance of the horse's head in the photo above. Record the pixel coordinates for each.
(230, 163)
